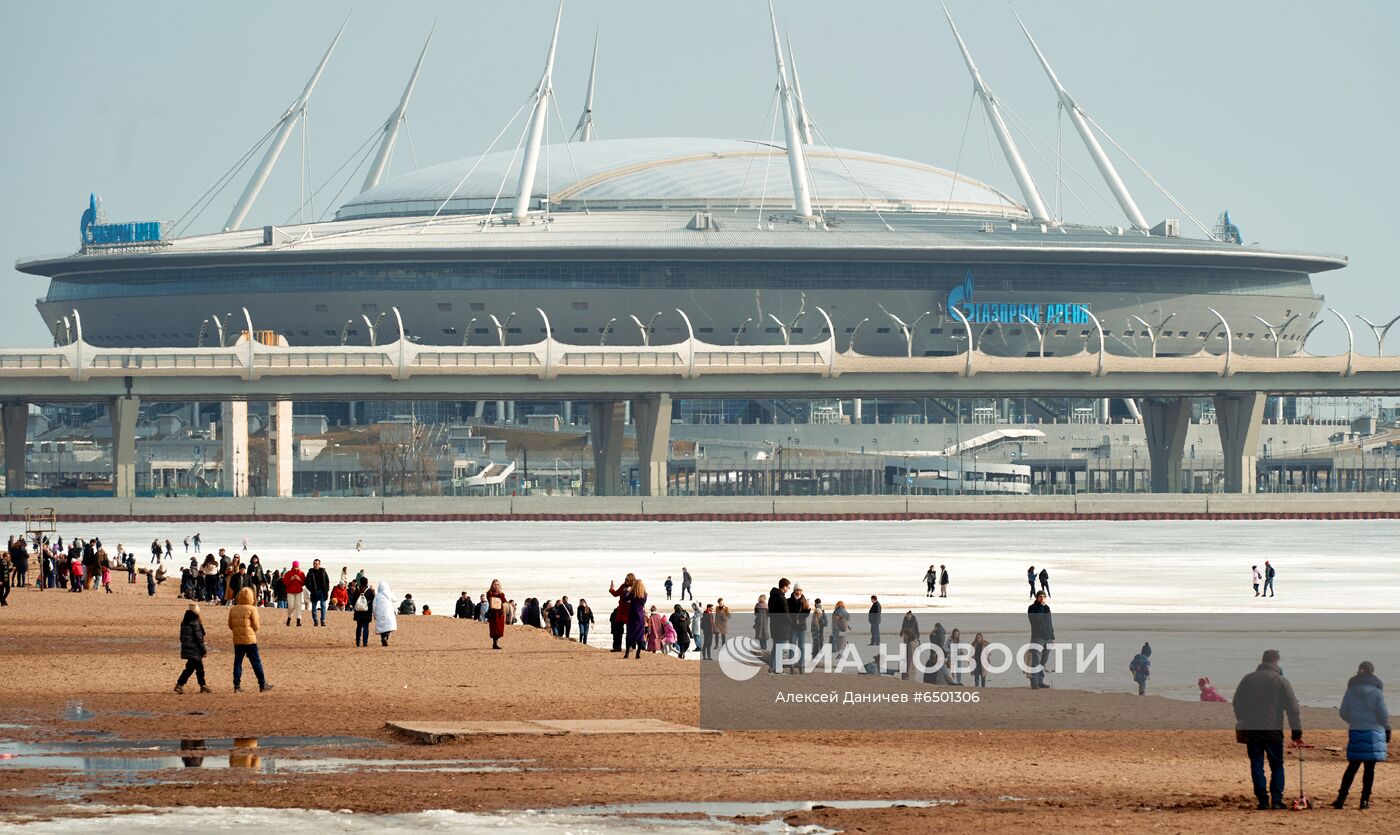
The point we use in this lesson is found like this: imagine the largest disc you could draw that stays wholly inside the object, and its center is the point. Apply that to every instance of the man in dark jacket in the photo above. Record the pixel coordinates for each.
(779, 623)
(466, 608)
(318, 588)
(1261, 700)
(564, 610)
(874, 618)
(1042, 634)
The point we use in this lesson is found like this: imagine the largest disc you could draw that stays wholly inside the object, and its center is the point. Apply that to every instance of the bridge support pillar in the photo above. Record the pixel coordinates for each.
(16, 428)
(233, 420)
(856, 407)
(653, 416)
(605, 424)
(500, 411)
(1164, 421)
(1240, 418)
(123, 412)
(568, 412)
(282, 448)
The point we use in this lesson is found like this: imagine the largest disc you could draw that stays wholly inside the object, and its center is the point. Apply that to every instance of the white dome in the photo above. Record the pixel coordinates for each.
(680, 174)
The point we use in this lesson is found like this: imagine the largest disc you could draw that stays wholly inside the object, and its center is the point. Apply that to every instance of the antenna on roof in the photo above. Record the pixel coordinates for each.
(804, 120)
(584, 130)
(395, 120)
(1077, 116)
(284, 130)
(535, 130)
(1008, 145)
(797, 163)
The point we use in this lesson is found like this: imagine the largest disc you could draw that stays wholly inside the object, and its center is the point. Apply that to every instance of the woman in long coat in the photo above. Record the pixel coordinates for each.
(386, 619)
(635, 599)
(656, 641)
(496, 613)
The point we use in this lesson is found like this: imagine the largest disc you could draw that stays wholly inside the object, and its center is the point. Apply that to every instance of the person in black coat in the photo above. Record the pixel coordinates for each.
(779, 623)
(466, 608)
(1042, 634)
(318, 590)
(192, 649)
(680, 621)
(565, 618)
(364, 611)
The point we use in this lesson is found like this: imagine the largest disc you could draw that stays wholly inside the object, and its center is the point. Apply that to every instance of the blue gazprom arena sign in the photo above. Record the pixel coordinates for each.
(979, 313)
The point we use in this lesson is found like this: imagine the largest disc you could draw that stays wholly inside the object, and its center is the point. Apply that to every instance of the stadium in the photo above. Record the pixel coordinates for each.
(609, 237)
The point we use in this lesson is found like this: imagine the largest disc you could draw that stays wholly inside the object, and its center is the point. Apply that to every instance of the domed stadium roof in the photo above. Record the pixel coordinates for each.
(621, 174)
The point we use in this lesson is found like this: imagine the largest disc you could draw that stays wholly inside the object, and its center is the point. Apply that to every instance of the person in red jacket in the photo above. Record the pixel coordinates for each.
(295, 581)
(340, 597)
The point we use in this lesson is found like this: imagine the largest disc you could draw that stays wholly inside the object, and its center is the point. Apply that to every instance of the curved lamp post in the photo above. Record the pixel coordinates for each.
(1039, 332)
(1351, 341)
(1154, 333)
(467, 334)
(1229, 341)
(739, 331)
(1276, 332)
(851, 343)
(967, 369)
(607, 329)
(1379, 331)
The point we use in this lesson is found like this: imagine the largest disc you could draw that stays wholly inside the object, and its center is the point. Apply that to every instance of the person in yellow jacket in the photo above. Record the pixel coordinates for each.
(243, 623)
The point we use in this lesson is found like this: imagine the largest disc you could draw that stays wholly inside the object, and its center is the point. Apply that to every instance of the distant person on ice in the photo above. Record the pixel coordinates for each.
(1268, 580)
(1141, 668)
(942, 581)
(1368, 731)
(685, 584)
(668, 586)
(930, 581)
(1257, 578)
(1030, 578)
(1261, 700)
(1045, 581)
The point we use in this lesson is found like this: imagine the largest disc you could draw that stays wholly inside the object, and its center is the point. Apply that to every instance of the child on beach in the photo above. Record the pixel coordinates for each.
(1208, 691)
(107, 578)
(192, 649)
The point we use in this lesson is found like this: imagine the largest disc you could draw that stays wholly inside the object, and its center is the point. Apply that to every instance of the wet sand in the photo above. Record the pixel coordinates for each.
(118, 656)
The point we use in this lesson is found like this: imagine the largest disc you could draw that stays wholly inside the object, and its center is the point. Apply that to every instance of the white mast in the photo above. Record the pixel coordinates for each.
(804, 121)
(1008, 145)
(584, 129)
(535, 131)
(797, 163)
(1105, 165)
(286, 123)
(391, 127)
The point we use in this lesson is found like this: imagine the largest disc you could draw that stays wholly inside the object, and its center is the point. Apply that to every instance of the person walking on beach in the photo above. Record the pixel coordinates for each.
(636, 596)
(243, 623)
(721, 623)
(1261, 700)
(19, 562)
(192, 649)
(1141, 667)
(655, 631)
(5, 573)
(1368, 731)
(1268, 580)
(874, 619)
(979, 660)
(1045, 581)
(187, 545)
(819, 624)
(621, 611)
(585, 620)
(707, 628)
(295, 583)
(496, 613)
(685, 584)
(942, 581)
(930, 581)
(909, 641)
(318, 587)
(840, 622)
(1256, 578)
(1042, 635)
(466, 608)
(779, 623)
(668, 586)
(680, 623)
(156, 552)
(386, 619)
(760, 622)
(564, 611)
(363, 608)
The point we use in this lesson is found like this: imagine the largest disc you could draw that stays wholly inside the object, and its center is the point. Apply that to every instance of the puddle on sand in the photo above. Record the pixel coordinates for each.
(213, 744)
(144, 820)
(726, 809)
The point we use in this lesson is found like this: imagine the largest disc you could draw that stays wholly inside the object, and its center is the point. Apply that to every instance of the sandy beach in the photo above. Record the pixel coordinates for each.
(97, 670)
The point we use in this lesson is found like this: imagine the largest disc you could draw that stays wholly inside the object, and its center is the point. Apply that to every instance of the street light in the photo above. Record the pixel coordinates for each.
(739, 331)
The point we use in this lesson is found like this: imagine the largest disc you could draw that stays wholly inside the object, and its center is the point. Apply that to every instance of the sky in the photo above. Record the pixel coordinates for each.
(1282, 112)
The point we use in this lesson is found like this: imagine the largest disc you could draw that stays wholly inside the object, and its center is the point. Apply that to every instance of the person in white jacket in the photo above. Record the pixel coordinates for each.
(386, 618)
(1257, 577)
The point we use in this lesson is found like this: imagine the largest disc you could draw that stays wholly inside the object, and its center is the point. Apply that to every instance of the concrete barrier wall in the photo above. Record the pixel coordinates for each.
(718, 508)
